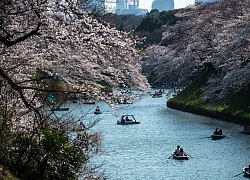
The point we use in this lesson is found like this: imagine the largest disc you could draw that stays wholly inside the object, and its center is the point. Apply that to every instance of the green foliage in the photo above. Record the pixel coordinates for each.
(107, 89)
(126, 22)
(237, 105)
(192, 95)
(155, 19)
(48, 156)
(150, 26)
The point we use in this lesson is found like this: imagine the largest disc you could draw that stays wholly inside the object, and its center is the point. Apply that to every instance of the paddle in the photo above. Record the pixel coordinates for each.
(238, 174)
(188, 155)
(204, 137)
(169, 156)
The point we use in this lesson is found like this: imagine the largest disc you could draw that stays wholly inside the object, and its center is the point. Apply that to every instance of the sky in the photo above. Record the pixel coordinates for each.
(146, 4)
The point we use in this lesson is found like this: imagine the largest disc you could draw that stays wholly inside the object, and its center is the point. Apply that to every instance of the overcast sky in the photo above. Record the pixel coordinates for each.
(146, 4)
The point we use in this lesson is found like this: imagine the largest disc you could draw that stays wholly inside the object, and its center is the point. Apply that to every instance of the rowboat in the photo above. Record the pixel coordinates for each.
(245, 132)
(156, 95)
(185, 157)
(97, 112)
(216, 136)
(246, 171)
(89, 102)
(59, 109)
(127, 119)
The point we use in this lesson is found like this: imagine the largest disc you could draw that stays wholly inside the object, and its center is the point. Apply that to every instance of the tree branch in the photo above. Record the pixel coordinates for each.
(20, 39)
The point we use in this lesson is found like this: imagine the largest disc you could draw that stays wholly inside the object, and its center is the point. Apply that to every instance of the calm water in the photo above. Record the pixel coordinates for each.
(142, 151)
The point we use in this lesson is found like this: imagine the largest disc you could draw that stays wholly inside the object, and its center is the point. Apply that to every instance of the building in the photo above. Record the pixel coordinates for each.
(114, 6)
(163, 5)
(129, 7)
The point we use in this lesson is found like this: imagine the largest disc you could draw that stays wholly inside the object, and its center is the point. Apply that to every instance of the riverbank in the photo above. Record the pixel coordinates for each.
(209, 113)
(236, 109)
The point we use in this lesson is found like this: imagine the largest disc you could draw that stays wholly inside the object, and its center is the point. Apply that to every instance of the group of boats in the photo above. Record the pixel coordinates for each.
(185, 156)
(129, 119)
(215, 136)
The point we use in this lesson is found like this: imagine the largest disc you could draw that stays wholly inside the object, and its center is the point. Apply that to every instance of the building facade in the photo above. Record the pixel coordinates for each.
(163, 5)
(129, 7)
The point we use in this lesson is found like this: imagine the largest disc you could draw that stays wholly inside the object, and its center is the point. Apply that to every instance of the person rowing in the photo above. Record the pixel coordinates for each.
(177, 151)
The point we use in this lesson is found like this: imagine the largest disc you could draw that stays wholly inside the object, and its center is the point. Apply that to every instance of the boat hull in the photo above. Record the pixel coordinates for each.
(59, 109)
(97, 112)
(128, 123)
(157, 96)
(127, 119)
(180, 157)
(246, 172)
(88, 102)
(215, 137)
(245, 132)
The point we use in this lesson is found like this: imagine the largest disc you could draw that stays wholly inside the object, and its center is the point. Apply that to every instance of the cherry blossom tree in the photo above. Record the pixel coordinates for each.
(211, 34)
(63, 41)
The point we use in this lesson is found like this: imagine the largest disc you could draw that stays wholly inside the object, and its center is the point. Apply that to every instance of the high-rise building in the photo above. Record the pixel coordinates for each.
(129, 7)
(163, 5)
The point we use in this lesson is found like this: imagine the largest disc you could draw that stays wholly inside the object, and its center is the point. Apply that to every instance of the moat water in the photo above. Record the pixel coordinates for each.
(143, 151)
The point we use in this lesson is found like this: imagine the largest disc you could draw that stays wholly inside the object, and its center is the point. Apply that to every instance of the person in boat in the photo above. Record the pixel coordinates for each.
(220, 132)
(127, 119)
(182, 153)
(216, 132)
(246, 128)
(82, 126)
(97, 109)
(177, 151)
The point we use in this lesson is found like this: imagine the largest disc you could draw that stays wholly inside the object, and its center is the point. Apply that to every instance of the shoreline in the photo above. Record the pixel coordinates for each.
(209, 113)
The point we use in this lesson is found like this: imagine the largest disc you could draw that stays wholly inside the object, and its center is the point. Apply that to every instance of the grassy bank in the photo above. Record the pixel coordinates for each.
(237, 108)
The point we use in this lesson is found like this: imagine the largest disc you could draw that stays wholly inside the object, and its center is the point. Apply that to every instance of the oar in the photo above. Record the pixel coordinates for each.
(188, 155)
(170, 156)
(238, 174)
(204, 137)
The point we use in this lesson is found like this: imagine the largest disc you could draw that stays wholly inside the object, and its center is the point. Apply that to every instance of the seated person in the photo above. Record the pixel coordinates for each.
(177, 151)
(82, 126)
(127, 119)
(182, 153)
(216, 132)
(220, 132)
(246, 128)
(97, 109)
